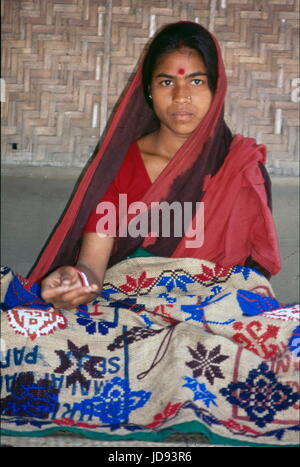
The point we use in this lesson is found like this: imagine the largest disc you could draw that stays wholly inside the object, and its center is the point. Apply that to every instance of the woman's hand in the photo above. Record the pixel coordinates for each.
(63, 288)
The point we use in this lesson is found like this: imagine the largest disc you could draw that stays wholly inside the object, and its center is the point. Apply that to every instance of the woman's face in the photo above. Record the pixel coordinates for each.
(180, 92)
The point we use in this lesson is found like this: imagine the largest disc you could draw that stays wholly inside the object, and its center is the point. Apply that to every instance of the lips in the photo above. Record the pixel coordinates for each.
(182, 115)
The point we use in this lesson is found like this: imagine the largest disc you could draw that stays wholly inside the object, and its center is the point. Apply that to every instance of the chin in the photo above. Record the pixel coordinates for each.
(186, 132)
(185, 129)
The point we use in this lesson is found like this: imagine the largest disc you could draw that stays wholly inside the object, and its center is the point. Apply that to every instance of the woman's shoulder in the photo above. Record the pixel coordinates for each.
(248, 148)
(245, 141)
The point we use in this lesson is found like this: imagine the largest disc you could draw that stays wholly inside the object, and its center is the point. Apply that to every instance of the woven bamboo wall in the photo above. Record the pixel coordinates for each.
(65, 63)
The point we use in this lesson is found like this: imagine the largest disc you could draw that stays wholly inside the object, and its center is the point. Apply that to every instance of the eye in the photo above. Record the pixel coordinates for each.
(166, 82)
(197, 82)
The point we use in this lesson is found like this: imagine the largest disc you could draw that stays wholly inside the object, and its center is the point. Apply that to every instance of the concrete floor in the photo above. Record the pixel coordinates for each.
(31, 203)
(33, 199)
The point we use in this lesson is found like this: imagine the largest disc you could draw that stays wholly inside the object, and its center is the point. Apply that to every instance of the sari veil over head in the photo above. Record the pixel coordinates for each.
(225, 172)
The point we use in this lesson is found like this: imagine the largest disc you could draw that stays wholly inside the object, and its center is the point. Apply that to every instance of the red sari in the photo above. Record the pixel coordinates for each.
(224, 172)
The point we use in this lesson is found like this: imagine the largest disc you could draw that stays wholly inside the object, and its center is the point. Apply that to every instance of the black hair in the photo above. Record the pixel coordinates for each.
(173, 37)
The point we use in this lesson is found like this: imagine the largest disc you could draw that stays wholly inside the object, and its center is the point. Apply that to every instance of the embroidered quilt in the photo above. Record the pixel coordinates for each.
(170, 345)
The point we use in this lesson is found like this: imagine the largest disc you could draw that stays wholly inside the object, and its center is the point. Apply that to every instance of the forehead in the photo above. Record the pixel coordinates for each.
(180, 61)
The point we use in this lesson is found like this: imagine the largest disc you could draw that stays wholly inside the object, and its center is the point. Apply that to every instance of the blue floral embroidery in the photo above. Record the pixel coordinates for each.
(93, 326)
(200, 391)
(294, 342)
(180, 281)
(115, 403)
(261, 396)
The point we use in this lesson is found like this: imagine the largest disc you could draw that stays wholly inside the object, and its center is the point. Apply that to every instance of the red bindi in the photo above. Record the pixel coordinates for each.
(181, 71)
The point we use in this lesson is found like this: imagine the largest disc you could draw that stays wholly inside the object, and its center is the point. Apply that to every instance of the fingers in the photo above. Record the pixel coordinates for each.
(53, 293)
(82, 300)
(58, 282)
(69, 276)
(66, 275)
(75, 294)
(63, 288)
(63, 297)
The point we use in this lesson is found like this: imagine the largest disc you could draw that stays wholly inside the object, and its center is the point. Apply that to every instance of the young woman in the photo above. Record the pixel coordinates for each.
(169, 330)
(184, 85)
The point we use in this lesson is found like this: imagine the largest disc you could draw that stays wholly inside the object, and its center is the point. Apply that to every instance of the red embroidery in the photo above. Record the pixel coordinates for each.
(161, 310)
(255, 338)
(236, 427)
(96, 307)
(134, 285)
(68, 422)
(213, 274)
(169, 410)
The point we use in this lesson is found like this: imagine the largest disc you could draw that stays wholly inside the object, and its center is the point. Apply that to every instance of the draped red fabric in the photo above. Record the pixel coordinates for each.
(132, 119)
(203, 156)
(238, 212)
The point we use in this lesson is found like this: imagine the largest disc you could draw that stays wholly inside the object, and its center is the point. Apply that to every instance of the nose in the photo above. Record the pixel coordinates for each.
(181, 94)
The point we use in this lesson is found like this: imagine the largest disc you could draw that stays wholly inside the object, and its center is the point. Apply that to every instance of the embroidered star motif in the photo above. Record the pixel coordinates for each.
(78, 358)
(135, 285)
(206, 362)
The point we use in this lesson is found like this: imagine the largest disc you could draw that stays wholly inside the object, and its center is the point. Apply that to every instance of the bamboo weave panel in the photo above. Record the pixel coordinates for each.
(65, 64)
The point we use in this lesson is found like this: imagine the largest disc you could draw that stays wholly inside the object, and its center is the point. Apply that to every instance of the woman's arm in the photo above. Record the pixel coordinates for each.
(94, 256)
(64, 288)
